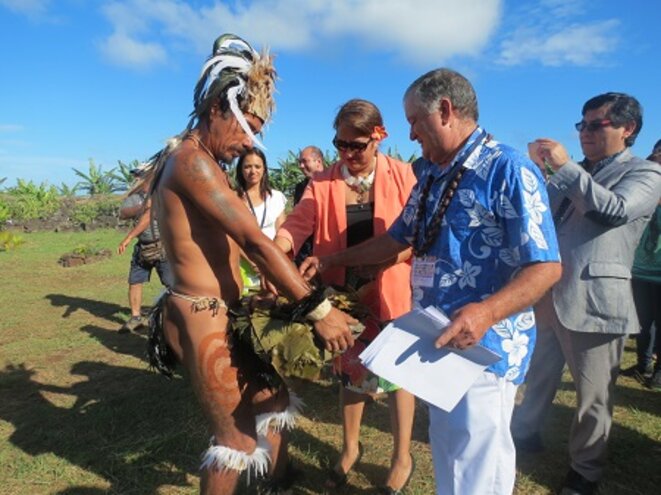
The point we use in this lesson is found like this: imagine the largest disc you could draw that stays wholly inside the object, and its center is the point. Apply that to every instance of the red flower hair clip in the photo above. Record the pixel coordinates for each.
(379, 133)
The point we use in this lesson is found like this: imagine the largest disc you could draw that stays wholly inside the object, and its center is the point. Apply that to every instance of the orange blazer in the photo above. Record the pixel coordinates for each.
(322, 214)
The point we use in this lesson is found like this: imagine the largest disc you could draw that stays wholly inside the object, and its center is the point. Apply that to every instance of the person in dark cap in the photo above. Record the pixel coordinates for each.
(204, 227)
(148, 253)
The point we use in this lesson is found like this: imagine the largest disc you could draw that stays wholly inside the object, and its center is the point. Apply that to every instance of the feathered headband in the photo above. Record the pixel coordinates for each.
(237, 73)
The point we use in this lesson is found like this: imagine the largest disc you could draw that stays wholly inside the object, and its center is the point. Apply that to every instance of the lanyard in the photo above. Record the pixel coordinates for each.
(252, 208)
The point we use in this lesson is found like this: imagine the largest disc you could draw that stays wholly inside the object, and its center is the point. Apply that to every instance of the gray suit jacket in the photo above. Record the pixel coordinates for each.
(598, 234)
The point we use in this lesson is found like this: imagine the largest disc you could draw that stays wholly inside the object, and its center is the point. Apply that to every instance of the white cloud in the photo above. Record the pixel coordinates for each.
(578, 44)
(31, 8)
(419, 31)
(123, 49)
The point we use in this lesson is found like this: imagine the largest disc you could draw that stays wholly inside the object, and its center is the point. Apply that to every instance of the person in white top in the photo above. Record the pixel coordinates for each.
(267, 205)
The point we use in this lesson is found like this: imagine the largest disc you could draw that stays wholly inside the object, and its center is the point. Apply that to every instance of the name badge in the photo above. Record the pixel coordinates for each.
(423, 271)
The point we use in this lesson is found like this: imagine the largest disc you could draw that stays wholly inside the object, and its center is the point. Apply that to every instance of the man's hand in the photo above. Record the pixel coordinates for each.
(467, 327)
(334, 330)
(550, 153)
(313, 265)
(123, 245)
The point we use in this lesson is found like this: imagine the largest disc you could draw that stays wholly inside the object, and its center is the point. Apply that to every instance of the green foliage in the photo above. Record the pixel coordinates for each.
(287, 175)
(96, 181)
(123, 175)
(67, 191)
(87, 249)
(5, 214)
(2, 180)
(88, 212)
(27, 200)
(9, 241)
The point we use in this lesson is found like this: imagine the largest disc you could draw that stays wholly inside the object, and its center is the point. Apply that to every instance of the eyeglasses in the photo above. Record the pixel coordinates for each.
(593, 126)
(351, 145)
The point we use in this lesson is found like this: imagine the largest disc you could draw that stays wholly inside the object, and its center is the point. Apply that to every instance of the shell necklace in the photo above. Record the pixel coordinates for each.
(360, 185)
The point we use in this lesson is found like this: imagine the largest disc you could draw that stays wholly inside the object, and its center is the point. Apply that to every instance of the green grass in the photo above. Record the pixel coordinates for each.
(80, 413)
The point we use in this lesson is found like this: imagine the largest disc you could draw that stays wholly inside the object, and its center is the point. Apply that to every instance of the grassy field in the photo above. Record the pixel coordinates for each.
(80, 413)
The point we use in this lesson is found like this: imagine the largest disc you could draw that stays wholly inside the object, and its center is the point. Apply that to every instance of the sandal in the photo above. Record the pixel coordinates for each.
(337, 479)
(386, 490)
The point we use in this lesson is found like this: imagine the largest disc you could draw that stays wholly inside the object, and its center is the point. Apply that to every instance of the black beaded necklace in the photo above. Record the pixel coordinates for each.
(420, 248)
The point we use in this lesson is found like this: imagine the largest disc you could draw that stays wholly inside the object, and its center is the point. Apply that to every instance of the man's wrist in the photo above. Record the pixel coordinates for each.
(320, 312)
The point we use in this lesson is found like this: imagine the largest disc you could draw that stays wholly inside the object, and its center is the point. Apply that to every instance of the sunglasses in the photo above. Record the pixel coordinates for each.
(350, 145)
(593, 126)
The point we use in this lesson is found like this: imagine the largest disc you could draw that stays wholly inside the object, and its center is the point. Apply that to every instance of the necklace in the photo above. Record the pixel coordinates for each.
(360, 185)
(422, 245)
(201, 145)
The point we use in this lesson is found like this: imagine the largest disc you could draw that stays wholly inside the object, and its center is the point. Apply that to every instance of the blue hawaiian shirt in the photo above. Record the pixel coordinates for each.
(497, 222)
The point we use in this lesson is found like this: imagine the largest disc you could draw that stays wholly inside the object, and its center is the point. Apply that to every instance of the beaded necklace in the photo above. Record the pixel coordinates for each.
(420, 248)
(360, 185)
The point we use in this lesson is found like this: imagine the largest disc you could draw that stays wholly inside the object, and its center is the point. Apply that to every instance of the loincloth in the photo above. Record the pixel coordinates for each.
(163, 359)
(267, 342)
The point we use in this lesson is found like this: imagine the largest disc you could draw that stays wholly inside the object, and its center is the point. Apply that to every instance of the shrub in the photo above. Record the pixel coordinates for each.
(91, 211)
(9, 241)
(27, 200)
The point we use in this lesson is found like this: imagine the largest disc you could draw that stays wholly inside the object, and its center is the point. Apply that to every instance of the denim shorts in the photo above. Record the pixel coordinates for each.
(140, 272)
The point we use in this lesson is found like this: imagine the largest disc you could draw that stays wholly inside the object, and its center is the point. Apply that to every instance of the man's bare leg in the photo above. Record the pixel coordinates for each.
(230, 398)
(135, 299)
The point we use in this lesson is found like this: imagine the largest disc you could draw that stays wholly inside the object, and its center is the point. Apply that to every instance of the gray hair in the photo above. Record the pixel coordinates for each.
(429, 88)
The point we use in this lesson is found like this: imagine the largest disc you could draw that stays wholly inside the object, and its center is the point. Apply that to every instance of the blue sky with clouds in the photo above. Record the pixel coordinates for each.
(112, 80)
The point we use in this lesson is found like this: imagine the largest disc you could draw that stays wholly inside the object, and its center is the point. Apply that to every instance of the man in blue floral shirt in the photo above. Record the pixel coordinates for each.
(485, 250)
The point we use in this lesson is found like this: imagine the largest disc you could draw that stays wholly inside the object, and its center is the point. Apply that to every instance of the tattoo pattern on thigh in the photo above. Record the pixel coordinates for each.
(220, 385)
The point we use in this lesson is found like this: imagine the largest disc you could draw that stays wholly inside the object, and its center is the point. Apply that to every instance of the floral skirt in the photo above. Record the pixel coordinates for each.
(353, 374)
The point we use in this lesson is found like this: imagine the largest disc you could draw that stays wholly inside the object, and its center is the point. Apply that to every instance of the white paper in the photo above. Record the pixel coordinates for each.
(404, 354)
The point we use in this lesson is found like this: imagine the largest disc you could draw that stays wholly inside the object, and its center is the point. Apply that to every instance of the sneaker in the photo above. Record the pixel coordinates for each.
(132, 324)
(654, 382)
(576, 484)
(532, 444)
(638, 371)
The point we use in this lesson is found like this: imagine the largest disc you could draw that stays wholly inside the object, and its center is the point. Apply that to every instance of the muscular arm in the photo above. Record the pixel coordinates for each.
(470, 322)
(203, 183)
(375, 251)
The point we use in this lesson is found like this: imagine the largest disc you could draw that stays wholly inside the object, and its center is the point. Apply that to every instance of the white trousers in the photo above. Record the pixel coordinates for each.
(472, 447)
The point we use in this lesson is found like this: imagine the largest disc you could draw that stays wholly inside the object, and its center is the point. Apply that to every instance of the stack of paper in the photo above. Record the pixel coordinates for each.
(404, 354)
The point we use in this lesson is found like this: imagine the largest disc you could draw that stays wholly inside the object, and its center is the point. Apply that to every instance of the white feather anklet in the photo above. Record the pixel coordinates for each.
(219, 457)
(278, 421)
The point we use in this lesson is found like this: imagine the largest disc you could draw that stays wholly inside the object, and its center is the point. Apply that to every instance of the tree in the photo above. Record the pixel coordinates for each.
(96, 181)
(287, 175)
(123, 176)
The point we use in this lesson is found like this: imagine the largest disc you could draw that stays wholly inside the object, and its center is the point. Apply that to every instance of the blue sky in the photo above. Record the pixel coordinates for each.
(112, 80)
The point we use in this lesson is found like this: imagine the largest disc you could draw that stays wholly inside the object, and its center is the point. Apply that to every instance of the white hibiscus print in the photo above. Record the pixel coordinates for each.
(467, 275)
(516, 348)
(535, 205)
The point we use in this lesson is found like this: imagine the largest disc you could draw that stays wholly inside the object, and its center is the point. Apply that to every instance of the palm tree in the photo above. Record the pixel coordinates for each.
(96, 181)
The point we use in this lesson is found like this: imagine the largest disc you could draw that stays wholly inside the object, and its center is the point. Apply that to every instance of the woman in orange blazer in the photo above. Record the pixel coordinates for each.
(355, 199)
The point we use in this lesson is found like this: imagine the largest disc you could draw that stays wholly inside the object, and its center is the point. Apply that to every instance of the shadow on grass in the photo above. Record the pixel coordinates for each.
(132, 428)
(627, 471)
(100, 309)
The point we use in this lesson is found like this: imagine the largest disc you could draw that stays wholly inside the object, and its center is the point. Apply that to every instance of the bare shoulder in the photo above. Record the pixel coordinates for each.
(191, 172)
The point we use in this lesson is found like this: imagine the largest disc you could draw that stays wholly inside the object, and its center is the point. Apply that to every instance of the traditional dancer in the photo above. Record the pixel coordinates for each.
(204, 225)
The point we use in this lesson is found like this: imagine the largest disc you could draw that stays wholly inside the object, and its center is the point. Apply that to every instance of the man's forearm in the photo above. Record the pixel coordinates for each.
(531, 283)
(371, 252)
(278, 269)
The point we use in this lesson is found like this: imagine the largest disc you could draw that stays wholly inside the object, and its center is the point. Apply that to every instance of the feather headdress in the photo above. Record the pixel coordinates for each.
(238, 76)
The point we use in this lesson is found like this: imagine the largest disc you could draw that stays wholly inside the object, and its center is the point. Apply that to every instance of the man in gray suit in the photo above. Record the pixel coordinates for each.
(601, 206)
